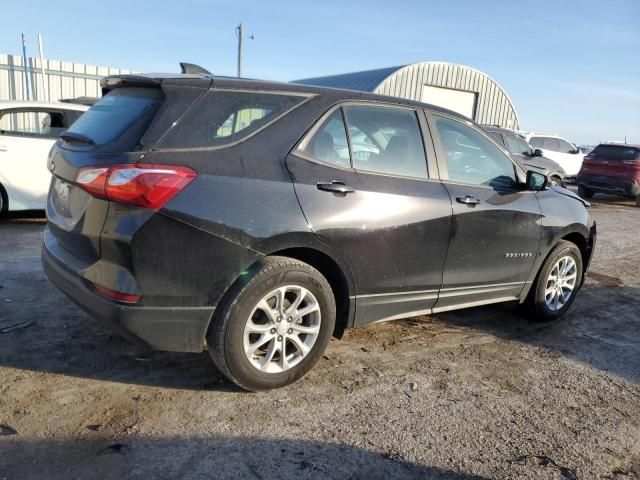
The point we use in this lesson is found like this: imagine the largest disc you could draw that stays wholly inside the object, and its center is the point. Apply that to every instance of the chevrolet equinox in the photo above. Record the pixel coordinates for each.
(255, 220)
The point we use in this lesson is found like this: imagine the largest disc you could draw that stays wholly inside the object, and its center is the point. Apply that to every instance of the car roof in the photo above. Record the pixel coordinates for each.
(495, 128)
(618, 144)
(6, 104)
(209, 81)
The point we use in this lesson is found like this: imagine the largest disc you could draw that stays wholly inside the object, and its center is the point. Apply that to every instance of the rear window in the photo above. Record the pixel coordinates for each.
(117, 112)
(615, 152)
(225, 117)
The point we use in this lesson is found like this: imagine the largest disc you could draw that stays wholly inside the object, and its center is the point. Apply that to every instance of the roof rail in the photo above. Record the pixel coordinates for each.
(194, 69)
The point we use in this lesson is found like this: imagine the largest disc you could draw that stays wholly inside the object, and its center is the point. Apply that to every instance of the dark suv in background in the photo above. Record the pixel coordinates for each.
(612, 168)
(528, 157)
(256, 219)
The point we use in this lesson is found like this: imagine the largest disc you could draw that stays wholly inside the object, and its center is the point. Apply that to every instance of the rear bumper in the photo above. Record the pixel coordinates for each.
(605, 184)
(181, 329)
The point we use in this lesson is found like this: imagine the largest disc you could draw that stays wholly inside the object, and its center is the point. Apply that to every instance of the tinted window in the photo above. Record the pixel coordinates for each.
(471, 158)
(615, 152)
(329, 144)
(386, 140)
(117, 112)
(497, 136)
(550, 144)
(223, 117)
(32, 124)
(517, 145)
(536, 142)
(565, 147)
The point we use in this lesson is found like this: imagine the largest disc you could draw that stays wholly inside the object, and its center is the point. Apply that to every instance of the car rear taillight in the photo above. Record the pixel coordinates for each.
(117, 296)
(149, 186)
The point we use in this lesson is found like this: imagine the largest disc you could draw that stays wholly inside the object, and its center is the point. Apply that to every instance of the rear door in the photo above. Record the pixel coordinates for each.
(368, 186)
(496, 224)
(571, 157)
(26, 136)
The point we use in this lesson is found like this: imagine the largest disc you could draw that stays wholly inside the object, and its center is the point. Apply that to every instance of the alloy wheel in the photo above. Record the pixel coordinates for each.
(560, 283)
(282, 329)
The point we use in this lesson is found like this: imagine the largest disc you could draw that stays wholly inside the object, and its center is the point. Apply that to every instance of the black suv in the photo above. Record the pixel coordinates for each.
(528, 157)
(255, 220)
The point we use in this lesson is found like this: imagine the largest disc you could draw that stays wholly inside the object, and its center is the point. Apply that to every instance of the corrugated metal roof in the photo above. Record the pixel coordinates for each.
(365, 81)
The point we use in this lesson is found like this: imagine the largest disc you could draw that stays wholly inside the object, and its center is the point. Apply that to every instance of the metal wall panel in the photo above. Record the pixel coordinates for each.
(61, 79)
(493, 106)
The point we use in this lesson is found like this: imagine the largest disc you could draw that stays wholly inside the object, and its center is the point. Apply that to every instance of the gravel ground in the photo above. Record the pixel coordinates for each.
(475, 394)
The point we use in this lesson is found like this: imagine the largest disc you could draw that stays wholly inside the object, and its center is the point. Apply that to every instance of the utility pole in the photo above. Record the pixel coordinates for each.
(240, 35)
(24, 64)
(45, 90)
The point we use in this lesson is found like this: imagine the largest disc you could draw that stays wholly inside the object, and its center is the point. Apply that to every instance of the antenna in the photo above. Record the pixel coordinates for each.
(194, 69)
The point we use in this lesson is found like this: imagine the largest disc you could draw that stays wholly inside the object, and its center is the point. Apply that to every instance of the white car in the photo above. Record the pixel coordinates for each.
(28, 130)
(563, 152)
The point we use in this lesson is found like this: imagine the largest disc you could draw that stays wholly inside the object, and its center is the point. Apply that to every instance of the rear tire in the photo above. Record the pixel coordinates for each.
(584, 192)
(4, 202)
(557, 283)
(260, 337)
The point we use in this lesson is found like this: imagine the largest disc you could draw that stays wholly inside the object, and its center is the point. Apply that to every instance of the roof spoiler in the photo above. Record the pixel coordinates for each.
(193, 69)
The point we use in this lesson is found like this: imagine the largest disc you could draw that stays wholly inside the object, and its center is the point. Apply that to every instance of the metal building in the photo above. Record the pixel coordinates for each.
(60, 79)
(456, 87)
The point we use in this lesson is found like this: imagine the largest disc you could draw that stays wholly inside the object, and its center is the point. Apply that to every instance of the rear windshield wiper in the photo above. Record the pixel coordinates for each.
(72, 137)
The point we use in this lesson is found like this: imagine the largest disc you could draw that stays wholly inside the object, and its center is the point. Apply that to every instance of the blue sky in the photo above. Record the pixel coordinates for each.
(571, 67)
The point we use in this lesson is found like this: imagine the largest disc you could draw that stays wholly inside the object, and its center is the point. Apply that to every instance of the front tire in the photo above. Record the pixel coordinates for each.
(558, 282)
(638, 201)
(584, 192)
(273, 325)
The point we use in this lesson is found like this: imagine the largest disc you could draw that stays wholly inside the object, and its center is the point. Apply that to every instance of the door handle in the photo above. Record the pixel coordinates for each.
(334, 187)
(468, 200)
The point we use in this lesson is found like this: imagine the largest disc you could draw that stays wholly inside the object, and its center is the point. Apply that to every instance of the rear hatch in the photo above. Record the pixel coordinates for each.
(621, 162)
(99, 160)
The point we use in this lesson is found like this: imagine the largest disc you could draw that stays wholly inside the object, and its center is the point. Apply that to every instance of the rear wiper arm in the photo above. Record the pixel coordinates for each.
(72, 137)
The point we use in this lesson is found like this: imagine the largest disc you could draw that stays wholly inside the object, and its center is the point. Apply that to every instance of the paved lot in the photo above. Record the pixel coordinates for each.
(476, 394)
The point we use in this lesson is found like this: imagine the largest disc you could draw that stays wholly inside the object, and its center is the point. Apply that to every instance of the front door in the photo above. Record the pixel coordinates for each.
(26, 137)
(496, 224)
(368, 195)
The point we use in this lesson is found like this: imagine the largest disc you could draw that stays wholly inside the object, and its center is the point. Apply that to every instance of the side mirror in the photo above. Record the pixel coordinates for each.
(576, 151)
(537, 152)
(536, 181)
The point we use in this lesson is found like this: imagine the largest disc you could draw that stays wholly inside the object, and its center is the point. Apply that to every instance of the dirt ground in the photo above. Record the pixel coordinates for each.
(475, 394)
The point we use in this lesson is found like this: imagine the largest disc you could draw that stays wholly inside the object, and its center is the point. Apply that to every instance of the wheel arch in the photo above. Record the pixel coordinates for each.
(5, 200)
(340, 281)
(584, 244)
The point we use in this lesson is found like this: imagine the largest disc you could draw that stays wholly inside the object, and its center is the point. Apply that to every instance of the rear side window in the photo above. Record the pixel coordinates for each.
(615, 152)
(497, 136)
(536, 142)
(224, 117)
(386, 140)
(329, 144)
(551, 144)
(118, 113)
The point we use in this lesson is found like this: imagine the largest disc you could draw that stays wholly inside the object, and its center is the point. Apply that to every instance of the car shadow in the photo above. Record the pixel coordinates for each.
(25, 216)
(599, 330)
(94, 456)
